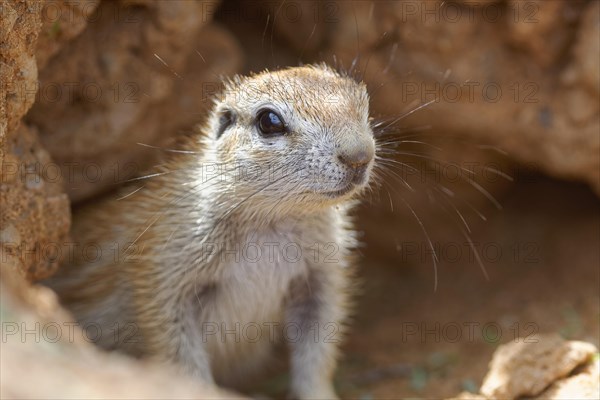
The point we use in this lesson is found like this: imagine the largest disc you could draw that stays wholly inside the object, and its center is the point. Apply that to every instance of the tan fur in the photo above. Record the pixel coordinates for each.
(164, 284)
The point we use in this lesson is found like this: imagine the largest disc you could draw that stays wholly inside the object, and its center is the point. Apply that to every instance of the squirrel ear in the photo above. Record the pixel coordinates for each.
(226, 119)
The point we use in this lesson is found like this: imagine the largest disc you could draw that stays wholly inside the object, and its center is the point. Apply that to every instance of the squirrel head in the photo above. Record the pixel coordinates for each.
(295, 137)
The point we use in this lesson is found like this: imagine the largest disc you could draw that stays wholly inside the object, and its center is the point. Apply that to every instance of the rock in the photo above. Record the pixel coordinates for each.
(296, 22)
(35, 215)
(19, 28)
(42, 344)
(586, 44)
(527, 368)
(116, 85)
(63, 20)
(541, 28)
(582, 385)
(35, 212)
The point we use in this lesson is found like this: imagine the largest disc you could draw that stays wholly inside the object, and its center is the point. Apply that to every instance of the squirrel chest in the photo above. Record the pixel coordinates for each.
(254, 279)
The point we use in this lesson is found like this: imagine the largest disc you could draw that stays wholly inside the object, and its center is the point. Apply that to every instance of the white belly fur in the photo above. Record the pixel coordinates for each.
(242, 317)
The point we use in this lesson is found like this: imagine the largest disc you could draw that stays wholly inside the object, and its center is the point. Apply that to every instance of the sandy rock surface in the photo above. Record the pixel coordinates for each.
(62, 20)
(35, 213)
(527, 368)
(55, 350)
(19, 29)
(35, 217)
(119, 83)
(584, 384)
(545, 367)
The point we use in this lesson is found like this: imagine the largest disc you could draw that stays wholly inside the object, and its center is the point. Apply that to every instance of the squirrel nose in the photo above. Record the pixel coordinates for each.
(355, 159)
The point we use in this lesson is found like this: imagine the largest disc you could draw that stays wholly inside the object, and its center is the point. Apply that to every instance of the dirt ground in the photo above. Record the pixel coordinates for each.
(545, 279)
(541, 253)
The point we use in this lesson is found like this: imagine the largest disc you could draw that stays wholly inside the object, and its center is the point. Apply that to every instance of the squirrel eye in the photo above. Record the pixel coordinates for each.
(270, 123)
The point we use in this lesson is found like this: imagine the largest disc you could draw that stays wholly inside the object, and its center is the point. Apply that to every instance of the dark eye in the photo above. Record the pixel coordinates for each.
(270, 123)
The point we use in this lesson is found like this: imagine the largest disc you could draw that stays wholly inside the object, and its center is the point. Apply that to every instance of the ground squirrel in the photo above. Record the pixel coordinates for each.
(241, 240)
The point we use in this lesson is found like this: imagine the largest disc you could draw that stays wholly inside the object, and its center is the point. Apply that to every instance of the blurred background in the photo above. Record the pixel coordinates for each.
(483, 229)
